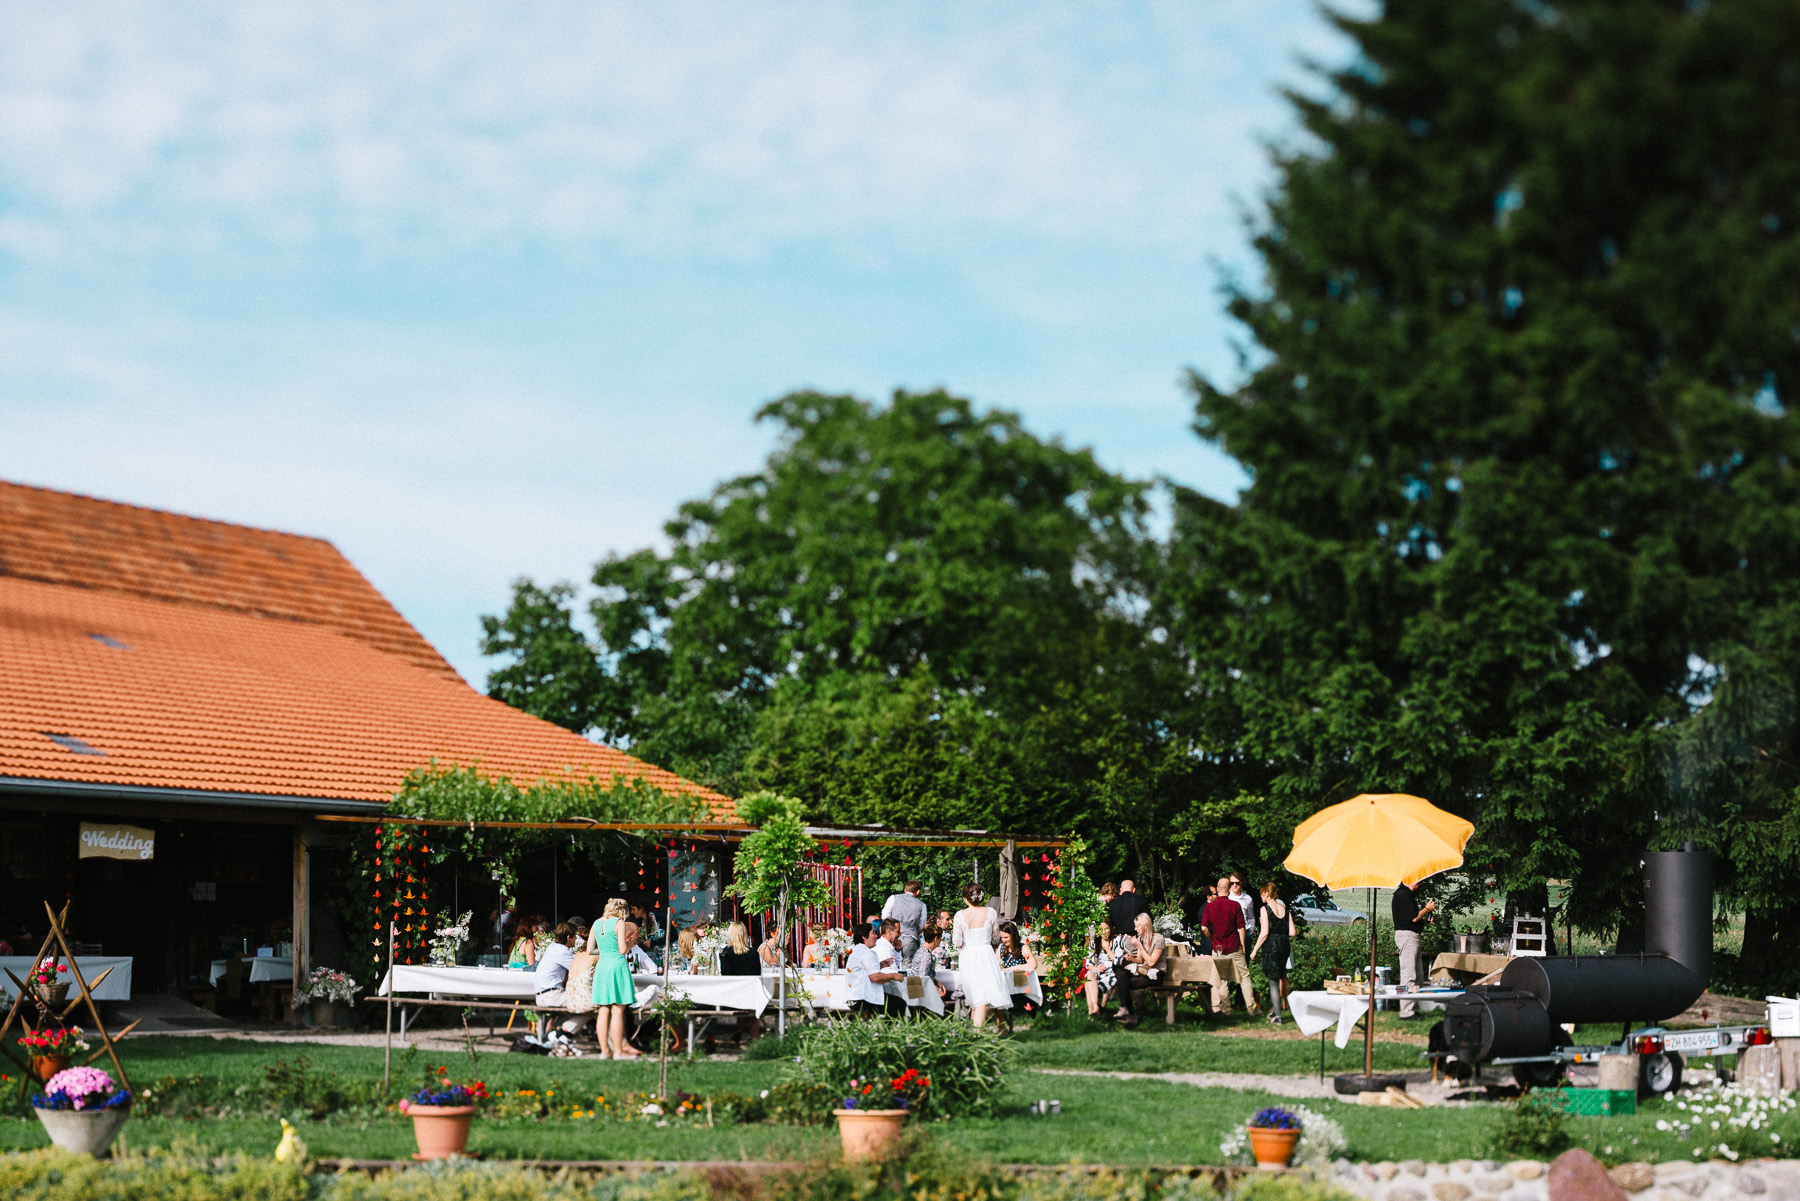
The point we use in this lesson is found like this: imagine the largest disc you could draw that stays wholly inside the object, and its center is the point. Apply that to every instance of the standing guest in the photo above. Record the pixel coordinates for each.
(614, 992)
(924, 961)
(976, 931)
(1143, 967)
(1409, 921)
(906, 908)
(1108, 891)
(1245, 902)
(503, 921)
(1123, 909)
(1223, 920)
(942, 919)
(866, 977)
(1274, 940)
(1101, 964)
(551, 975)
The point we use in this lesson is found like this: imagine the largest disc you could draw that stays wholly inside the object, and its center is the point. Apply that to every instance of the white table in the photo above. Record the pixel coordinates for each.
(1315, 1011)
(258, 969)
(116, 987)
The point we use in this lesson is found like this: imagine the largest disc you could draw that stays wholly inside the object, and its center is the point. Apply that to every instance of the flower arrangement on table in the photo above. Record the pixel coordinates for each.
(54, 1040)
(1170, 924)
(443, 1092)
(904, 1091)
(837, 944)
(86, 1089)
(706, 952)
(446, 947)
(327, 984)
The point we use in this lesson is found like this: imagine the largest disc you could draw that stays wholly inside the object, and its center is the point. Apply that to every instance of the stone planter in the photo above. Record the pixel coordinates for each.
(869, 1133)
(324, 1013)
(83, 1131)
(441, 1130)
(45, 1066)
(1273, 1148)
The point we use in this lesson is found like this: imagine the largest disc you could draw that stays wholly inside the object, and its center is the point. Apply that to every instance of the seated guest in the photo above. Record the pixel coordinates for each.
(924, 960)
(1143, 967)
(888, 945)
(646, 922)
(735, 957)
(1013, 953)
(1101, 962)
(942, 953)
(523, 956)
(551, 975)
(769, 950)
(639, 959)
(685, 948)
(866, 977)
(813, 953)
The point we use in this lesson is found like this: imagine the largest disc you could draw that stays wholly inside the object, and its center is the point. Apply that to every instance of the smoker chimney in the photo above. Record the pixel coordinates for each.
(1678, 908)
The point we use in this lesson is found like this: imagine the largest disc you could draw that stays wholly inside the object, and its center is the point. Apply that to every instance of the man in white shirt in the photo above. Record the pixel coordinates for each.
(906, 908)
(887, 947)
(1245, 902)
(863, 965)
(551, 976)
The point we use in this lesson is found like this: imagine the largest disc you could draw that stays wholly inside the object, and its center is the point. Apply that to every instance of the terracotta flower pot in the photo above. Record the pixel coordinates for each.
(83, 1131)
(1272, 1148)
(45, 1066)
(441, 1130)
(869, 1133)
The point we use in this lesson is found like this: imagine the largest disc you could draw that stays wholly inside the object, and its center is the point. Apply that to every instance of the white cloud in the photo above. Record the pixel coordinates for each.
(725, 129)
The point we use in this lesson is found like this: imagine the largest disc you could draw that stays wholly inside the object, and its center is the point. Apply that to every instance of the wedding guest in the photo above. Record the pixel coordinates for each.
(1102, 958)
(906, 908)
(924, 961)
(613, 989)
(1143, 967)
(524, 953)
(769, 950)
(551, 975)
(1246, 902)
(1123, 909)
(1223, 919)
(737, 958)
(645, 921)
(887, 946)
(866, 977)
(503, 921)
(813, 955)
(1016, 953)
(641, 963)
(686, 947)
(1274, 942)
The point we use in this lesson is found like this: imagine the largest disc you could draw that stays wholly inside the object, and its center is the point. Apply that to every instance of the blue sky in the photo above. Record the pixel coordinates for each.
(480, 291)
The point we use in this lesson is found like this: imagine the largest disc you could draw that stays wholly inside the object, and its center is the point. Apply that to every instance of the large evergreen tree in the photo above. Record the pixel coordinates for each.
(1523, 535)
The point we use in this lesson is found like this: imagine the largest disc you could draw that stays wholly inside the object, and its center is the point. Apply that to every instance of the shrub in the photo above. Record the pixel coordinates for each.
(1290, 1187)
(53, 1175)
(1531, 1127)
(800, 1102)
(964, 1064)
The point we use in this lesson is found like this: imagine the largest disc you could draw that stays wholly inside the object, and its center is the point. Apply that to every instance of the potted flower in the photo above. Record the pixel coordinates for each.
(82, 1110)
(326, 989)
(442, 1113)
(872, 1117)
(49, 1050)
(1273, 1133)
(46, 989)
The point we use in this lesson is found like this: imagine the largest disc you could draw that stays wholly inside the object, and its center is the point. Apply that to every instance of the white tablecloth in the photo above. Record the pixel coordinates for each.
(1033, 988)
(257, 969)
(1314, 1011)
(116, 987)
(489, 983)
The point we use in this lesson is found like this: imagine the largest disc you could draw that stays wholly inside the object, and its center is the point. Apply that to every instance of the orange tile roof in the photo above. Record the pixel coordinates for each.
(63, 538)
(188, 696)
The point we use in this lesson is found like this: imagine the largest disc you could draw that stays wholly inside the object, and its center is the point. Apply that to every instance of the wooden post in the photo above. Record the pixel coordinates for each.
(387, 1049)
(302, 904)
(1369, 1030)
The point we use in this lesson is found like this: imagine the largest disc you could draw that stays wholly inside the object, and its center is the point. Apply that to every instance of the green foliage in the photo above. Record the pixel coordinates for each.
(1289, 1187)
(53, 1175)
(1074, 910)
(801, 1102)
(468, 794)
(288, 1089)
(965, 1064)
(941, 874)
(1531, 1127)
(770, 871)
(552, 672)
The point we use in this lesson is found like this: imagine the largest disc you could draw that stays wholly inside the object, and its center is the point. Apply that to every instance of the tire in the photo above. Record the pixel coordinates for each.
(1351, 1083)
(1658, 1074)
(1539, 1075)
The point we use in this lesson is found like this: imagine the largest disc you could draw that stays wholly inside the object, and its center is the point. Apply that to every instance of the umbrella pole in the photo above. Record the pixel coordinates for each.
(1369, 1026)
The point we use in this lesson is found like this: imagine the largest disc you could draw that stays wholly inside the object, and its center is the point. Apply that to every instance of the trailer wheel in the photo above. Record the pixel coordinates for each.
(1658, 1074)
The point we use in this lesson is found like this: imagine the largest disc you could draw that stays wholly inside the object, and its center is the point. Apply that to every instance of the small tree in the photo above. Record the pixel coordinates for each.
(770, 871)
(1073, 911)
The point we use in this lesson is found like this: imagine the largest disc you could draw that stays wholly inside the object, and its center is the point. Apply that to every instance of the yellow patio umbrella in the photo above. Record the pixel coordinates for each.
(1377, 840)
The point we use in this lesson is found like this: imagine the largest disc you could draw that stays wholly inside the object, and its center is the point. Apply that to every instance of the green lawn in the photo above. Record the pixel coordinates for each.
(1102, 1120)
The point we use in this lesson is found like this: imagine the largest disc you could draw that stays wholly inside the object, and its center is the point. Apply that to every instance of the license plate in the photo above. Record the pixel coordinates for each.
(1695, 1040)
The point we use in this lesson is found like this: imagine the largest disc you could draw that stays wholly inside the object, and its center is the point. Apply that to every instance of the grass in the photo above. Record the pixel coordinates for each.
(1103, 1120)
(1238, 1044)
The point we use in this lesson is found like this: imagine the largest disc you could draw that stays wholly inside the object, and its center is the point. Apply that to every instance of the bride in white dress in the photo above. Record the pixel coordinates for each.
(978, 972)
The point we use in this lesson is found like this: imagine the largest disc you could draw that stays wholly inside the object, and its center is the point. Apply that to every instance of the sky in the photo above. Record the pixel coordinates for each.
(481, 291)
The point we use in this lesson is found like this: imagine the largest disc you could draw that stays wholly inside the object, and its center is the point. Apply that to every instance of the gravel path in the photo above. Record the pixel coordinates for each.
(1303, 1087)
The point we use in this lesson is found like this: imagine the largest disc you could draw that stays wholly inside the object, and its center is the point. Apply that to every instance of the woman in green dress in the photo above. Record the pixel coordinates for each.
(613, 989)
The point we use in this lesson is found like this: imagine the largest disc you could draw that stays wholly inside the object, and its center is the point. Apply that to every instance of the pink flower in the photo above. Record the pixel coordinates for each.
(78, 1084)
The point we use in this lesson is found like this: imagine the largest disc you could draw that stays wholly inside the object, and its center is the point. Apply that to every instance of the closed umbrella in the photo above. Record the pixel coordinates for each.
(1377, 840)
(1009, 881)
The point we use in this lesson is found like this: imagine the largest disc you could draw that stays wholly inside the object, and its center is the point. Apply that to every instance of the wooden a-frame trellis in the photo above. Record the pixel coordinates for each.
(56, 938)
